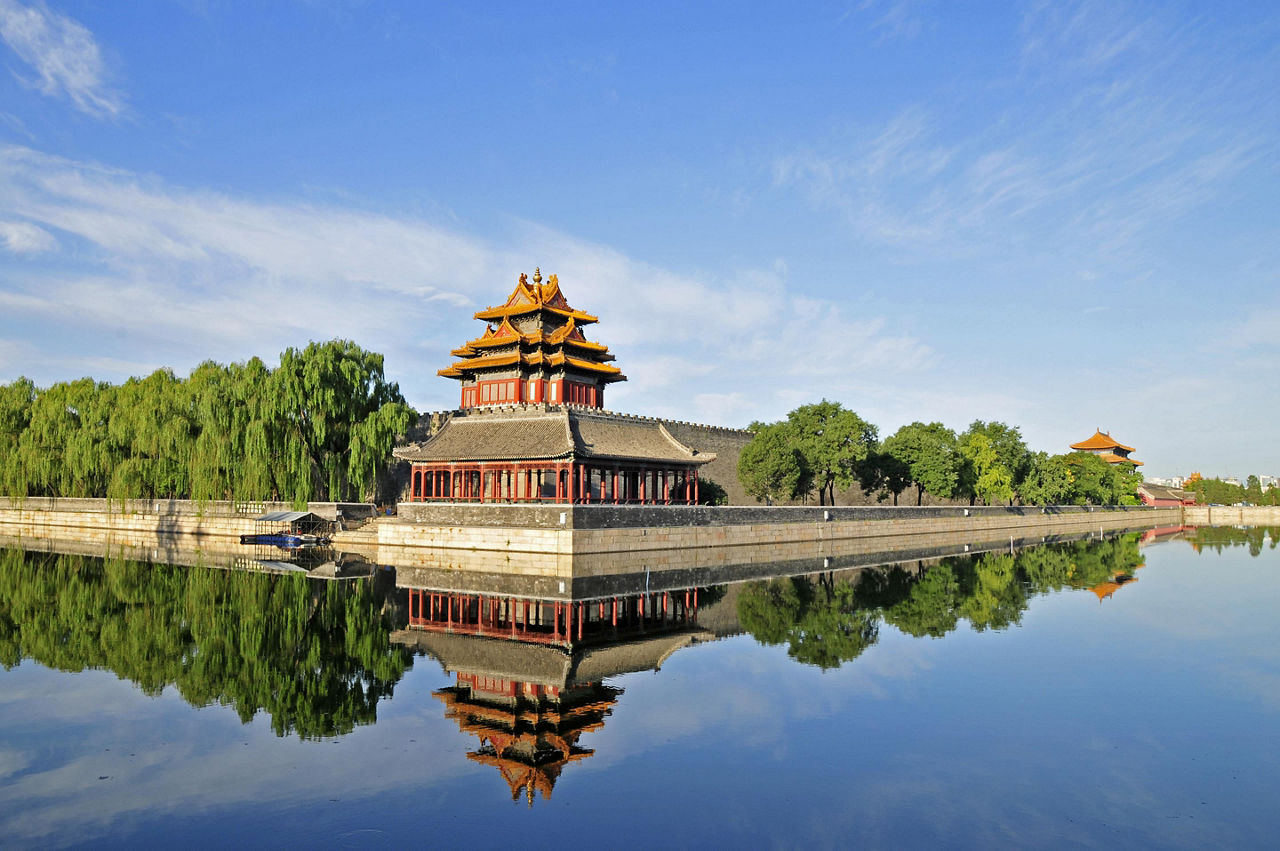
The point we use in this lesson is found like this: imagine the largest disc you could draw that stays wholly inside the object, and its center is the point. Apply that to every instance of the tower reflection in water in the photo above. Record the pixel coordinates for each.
(530, 673)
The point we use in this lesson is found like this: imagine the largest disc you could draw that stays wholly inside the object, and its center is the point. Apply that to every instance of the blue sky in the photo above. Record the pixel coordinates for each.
(1059, 215)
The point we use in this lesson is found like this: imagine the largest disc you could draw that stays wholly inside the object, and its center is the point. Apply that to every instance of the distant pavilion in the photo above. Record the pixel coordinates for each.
(531, 425)
(1107, 448)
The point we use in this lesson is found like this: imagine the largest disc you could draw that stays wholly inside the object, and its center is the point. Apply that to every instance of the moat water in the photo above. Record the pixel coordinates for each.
(1115, 692)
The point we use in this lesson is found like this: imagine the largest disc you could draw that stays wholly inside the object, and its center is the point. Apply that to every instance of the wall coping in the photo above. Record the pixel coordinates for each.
(579, 516)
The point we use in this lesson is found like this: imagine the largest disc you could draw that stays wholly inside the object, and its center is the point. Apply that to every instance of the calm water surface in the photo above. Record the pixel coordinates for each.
(1111, 694)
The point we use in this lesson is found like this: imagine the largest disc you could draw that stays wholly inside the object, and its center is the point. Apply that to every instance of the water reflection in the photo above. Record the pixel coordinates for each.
(314, 655)
(828, 620)
(531, 668)
(1219, 538)
(850, 727)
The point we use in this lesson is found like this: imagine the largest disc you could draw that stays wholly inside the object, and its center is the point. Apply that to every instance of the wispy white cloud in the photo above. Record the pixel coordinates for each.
(1107, 131)
(64, 55)
(25, 238)
(894, 18)
(185, 275)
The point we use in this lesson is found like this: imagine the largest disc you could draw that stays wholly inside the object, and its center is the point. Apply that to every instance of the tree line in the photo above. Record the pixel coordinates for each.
(315, 656)
(319, 427)
(822, 447)
(825, 621)
(1218, 492)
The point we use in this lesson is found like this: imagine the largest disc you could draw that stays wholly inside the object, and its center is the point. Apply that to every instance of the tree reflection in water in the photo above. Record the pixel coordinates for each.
(827, 621)
(313, 655)
(1219, 538)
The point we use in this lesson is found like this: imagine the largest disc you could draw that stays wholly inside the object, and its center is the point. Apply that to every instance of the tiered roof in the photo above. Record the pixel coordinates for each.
(485, 435)
(1107, 448)
(551, 336)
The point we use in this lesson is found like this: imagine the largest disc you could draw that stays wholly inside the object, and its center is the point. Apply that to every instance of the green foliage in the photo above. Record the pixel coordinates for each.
(834, 441)
(1095, 482)
(1048, 480)
(711, 493)
(993, 459)
(16, 401)
(984, 476)
(826, 621)
(927, 452)
(1218, 492)
(821, 623)
(822, 446)
(316, 656)
(771, 467)
(1218, 538)
(884, 475)
(318, 427)
(932, 606)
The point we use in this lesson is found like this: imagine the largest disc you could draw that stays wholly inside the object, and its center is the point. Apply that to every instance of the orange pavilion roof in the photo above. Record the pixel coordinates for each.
(505, 334)
(1101, 440)
(502, 342)
(530, 359)
(528, 298)
(1112, 458)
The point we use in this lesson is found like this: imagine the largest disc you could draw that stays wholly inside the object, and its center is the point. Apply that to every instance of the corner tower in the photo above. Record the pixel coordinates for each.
(533, 351)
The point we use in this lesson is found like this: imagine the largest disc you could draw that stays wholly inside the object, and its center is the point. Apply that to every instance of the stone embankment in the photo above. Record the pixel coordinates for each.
(575, 531)
(1232, 515)
(139, 522)
(586, 529)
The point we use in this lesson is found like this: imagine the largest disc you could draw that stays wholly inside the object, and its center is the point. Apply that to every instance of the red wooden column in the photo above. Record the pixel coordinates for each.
(666, 489)
(615, 485)
(695, 486)
(644, 481)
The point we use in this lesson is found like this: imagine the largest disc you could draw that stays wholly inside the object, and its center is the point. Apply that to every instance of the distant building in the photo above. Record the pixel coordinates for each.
(1167, 481)
(1107, 448)
(1153, 494)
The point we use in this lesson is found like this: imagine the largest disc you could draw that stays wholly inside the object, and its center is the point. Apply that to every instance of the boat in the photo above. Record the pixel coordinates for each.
(286, 540)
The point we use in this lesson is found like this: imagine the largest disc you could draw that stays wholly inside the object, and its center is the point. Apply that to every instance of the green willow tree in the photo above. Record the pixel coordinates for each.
(318, 427)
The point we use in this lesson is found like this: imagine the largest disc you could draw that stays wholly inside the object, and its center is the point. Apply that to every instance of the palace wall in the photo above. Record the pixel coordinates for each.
(621, 532)
(1232, 515)
(726, 443)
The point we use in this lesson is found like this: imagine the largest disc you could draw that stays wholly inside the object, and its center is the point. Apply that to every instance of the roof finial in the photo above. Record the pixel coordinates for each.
(537, 275)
